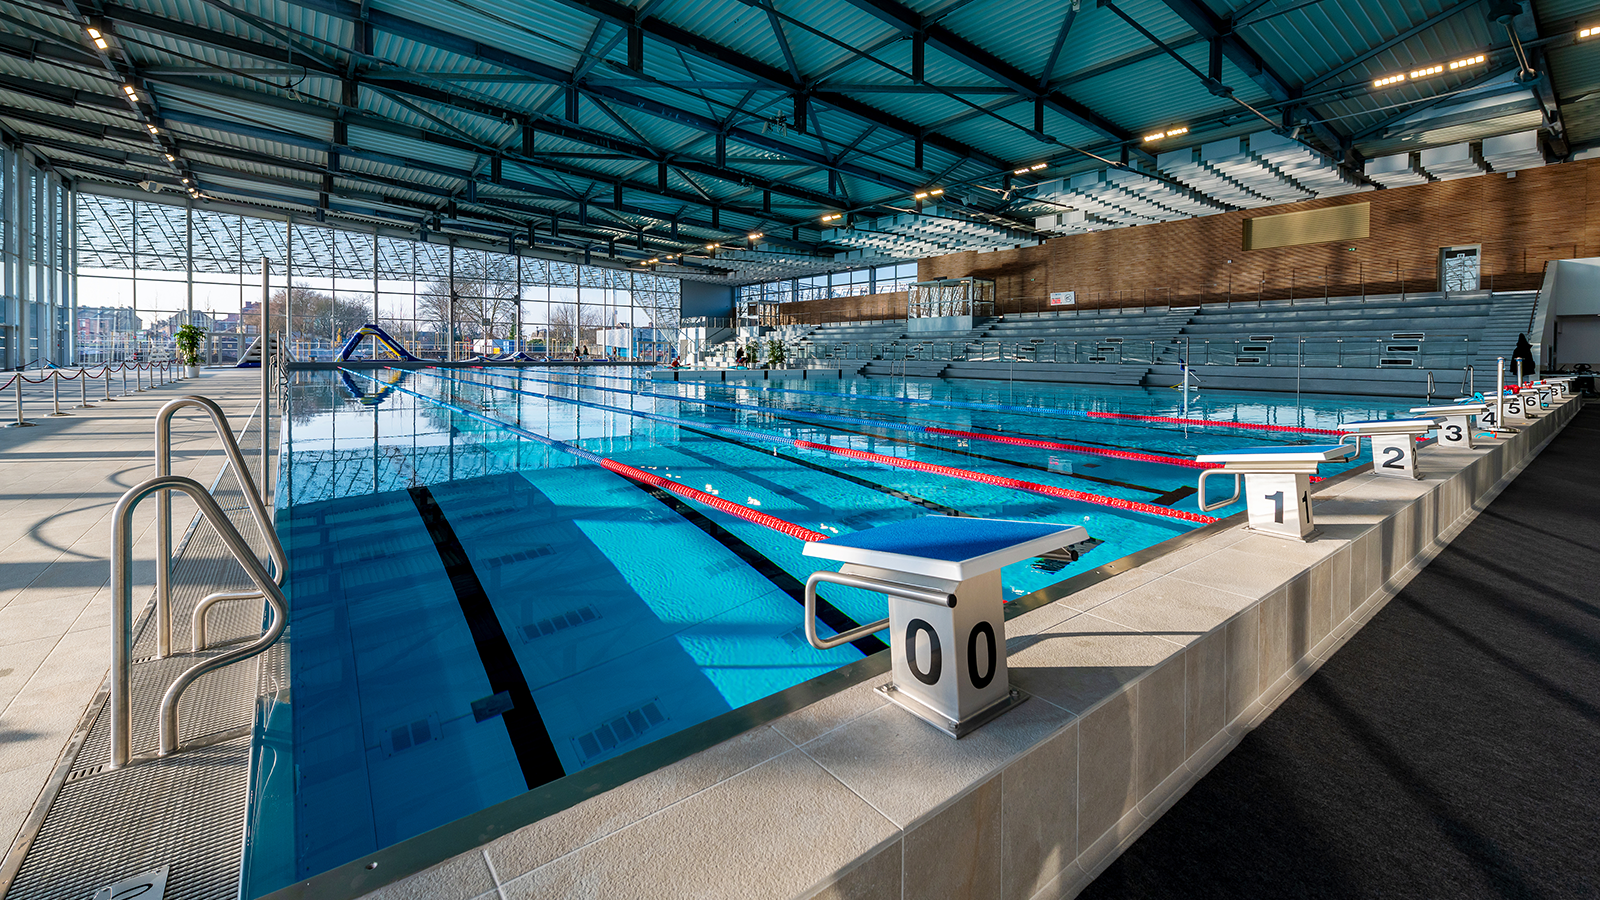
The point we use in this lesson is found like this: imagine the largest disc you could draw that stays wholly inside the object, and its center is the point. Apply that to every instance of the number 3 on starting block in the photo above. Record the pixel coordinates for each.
(1279, 504)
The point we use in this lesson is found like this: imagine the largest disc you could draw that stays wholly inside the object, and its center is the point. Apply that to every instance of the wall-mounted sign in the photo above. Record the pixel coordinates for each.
(1063, 298)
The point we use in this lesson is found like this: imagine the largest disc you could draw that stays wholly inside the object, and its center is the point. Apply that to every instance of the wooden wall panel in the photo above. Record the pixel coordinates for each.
(1542, 214)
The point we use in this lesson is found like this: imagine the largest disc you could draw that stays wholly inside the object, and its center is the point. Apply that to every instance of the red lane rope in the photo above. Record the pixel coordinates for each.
(1075, 448)
(1002, 481)
(1169, 420)
(711, 500)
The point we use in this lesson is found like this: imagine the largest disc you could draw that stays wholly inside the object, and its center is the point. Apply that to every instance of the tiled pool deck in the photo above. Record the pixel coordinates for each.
(58, 483)
(1139, 684)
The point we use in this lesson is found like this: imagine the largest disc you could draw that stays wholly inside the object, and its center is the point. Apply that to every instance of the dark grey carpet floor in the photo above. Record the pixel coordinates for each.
(1450, 750)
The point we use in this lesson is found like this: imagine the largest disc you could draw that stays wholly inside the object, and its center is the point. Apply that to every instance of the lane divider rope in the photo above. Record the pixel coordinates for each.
(744, 512)
(893, 461)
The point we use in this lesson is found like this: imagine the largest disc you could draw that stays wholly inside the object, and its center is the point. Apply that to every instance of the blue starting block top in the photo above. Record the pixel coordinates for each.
(949, 547)
(1390, 426)
(1304, 453)
(1461, 408)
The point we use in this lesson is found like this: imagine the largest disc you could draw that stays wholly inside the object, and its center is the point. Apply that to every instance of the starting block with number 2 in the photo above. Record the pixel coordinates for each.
(1394, 443)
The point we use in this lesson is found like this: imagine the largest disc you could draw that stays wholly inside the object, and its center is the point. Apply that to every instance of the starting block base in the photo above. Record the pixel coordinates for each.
(910, 704)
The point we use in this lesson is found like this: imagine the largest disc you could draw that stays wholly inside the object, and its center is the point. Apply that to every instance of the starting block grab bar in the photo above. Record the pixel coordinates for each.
(936, 598)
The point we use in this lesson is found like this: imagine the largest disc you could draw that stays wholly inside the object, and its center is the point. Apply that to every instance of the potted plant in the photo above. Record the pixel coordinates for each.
(188, 340)
(775, 354)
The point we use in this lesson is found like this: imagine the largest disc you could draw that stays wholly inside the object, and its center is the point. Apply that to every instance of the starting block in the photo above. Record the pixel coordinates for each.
(1394, 443)
(1276, 482)
(1516, 408)
(1562, 385)
(947, 631)
(1455, 421)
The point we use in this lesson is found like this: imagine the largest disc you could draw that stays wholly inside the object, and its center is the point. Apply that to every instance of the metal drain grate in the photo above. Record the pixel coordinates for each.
(186, 811)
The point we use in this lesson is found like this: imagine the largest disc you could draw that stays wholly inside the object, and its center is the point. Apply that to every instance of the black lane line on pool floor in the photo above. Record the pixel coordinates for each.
(830, 615)
(536, 752)
(827, 613)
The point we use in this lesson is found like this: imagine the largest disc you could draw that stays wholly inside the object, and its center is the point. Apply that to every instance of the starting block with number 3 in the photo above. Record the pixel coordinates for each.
(1276, 482)
(1455, 421)
(947, 629)
(1394, 443)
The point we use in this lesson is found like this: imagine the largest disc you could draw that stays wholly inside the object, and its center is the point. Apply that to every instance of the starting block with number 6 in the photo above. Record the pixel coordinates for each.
(1394, 443)
(1455, 421)
(1276, 482)
(947, 630)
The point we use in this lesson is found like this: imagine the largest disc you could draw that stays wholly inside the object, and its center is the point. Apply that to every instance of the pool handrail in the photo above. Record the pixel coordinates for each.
(252, 496)
(936, 598)
(121, 693)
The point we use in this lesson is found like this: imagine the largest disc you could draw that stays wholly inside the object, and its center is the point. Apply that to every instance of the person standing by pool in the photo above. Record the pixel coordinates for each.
(1524, 354)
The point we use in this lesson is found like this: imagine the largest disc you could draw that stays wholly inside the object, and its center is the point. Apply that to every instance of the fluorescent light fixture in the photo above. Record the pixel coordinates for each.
(1021, 171)
(1592, 31)
(171, 158)
(1392, 79)
(1166, 133)
(757, 235)
(98, 38)
(833, 217)
(153, 129)
(1036, 167)
(94, 32)
(132, 94)
(936, 191)
(1469, 61)
(185, 181)
(920, 195)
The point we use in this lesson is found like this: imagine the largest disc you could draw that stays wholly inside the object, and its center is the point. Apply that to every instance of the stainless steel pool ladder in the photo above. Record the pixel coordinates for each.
(267, 583)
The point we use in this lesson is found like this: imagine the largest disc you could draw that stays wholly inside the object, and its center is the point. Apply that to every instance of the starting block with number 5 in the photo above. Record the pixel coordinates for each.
(1394, 443)
(1455, 421)
(947, 629)
(1276, 482)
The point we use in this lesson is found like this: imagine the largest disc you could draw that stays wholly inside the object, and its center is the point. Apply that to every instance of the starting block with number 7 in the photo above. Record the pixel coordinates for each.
(1276, 482)
(947, 628)
(1394, 443)
(1455, 421)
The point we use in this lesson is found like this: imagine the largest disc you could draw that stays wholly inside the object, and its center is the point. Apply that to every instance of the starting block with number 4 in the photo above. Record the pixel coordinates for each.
(1394, 443)
(1276, 482)
(1455, 421)
(947, 629)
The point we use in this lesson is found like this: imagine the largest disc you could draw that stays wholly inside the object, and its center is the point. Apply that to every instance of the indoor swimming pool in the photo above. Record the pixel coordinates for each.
(502, 577)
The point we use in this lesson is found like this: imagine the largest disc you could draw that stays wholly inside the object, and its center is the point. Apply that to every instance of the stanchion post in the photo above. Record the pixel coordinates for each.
(105, 371)
(55, 395)
(83, 390)
(20, 422)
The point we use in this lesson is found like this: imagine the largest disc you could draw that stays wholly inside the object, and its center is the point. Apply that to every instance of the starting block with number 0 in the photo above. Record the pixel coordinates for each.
(947, 631)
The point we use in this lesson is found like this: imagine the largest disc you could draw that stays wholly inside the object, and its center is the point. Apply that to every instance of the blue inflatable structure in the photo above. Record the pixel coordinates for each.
(378, 334)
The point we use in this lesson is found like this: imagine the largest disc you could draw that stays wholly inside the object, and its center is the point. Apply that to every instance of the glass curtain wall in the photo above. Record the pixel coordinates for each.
(144, 268)
(36, 290)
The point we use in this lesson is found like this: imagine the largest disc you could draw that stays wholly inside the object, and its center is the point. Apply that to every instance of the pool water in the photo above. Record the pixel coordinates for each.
(479, 606)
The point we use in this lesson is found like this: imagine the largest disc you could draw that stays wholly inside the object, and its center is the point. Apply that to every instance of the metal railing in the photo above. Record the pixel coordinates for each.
(266, 582)
(253, 499)
(1438, 351)
(160, 373)
(122, 614)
